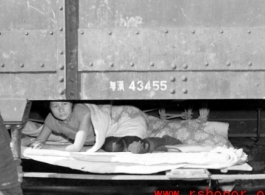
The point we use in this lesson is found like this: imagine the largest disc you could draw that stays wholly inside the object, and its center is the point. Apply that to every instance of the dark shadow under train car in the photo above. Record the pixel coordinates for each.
(151, 54)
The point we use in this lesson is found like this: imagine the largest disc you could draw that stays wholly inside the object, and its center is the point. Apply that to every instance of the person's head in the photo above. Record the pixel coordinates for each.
(61, 109)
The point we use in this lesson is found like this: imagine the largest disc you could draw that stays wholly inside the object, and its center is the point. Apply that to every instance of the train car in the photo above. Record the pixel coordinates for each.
(158, 51)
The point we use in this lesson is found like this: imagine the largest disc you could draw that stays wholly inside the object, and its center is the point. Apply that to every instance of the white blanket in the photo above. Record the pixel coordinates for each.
(102, 162)
(105, 127)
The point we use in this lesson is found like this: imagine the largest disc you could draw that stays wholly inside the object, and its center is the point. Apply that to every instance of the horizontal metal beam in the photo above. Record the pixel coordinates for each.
(93, 177)
(173, 85)
(140, 177)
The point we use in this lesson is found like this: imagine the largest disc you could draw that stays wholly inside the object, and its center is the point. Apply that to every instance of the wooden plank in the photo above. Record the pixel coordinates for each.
(193, 174)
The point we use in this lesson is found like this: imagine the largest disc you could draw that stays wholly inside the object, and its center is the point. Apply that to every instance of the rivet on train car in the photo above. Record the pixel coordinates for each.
(172, 91)
(2, 65)
(61, 8)
(185, 91)
(152, 64)
(185, 66)
(26, 33)
(51, 33)
(61, 79)
(72, 67)
(228, 63)
(61, 52)
(137, 32)
(206, 64)
(72, 93)
(81, 32)
(173, 66)
(42, 65)
(72, 80)
(250, 64)
(109, 33)
(111, 64)
(61, 91)
(132, 64)
(91, 64)
(166, 31)
(0, 33)
(61, 67)
(22, 65)
(61, 29)
(172, 79)
(193, 32)
(249, 31)
(184, 78)
(221, 31)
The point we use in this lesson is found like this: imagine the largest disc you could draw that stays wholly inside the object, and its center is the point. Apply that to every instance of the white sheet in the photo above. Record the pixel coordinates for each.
(102, 162)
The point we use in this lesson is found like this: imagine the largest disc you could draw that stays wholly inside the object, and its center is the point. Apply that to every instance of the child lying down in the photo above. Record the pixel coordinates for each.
(129, 124)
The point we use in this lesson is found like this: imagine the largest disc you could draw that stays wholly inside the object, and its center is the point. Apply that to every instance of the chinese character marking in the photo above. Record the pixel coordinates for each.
(112, 85)
(120, 85)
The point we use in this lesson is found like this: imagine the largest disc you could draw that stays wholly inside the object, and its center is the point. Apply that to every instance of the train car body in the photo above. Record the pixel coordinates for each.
(129, 50)
(98, 50)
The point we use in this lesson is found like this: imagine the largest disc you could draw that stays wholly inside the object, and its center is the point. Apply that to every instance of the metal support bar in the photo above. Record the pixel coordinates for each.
(258, 124)
(168, 176)
(15, 113)
(93, 176)
(71, 30)
(16, 141)
(115, 189)
(16, 147)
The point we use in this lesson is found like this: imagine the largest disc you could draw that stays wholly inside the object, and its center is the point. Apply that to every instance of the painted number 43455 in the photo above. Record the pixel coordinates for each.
(149, 85)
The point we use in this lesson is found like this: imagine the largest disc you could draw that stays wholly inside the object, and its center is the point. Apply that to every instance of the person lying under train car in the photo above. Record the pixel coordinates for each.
(124, 123)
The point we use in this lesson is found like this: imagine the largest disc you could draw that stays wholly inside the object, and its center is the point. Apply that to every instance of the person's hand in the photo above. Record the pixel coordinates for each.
(37, 144)
(135, 147)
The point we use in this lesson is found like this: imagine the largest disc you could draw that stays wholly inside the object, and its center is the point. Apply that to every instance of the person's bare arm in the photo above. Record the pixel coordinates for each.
(44, 134)
(80, 137)
(59, 147)
(42, 138)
